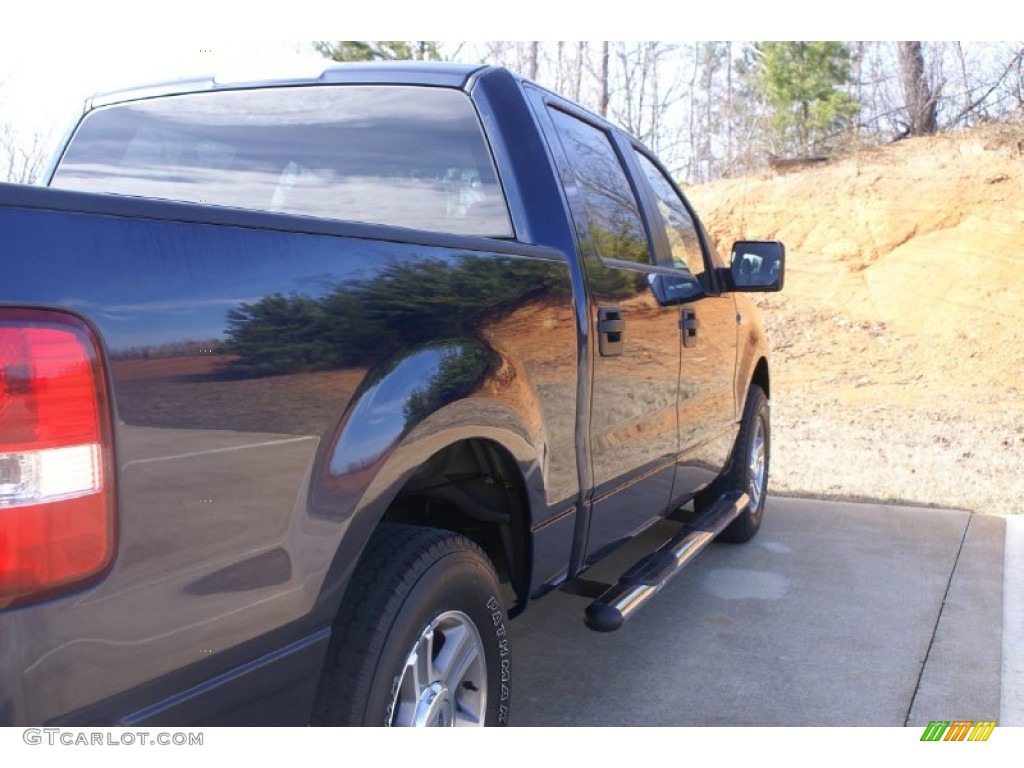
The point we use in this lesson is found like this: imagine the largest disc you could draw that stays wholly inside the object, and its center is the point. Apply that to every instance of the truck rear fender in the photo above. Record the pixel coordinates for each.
(451, 435)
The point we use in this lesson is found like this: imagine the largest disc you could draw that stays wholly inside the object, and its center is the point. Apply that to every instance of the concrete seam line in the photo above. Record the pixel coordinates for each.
(1011, 696)
(938, 618)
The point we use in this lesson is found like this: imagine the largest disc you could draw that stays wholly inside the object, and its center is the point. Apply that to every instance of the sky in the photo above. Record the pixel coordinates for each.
(41, 92)
(109, 44)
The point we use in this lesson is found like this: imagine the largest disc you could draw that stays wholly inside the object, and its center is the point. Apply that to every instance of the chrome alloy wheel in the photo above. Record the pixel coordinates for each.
(756, 468)
(444, 680)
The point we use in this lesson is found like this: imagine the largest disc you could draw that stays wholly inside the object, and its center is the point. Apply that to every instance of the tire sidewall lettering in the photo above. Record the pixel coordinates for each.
(504, 662)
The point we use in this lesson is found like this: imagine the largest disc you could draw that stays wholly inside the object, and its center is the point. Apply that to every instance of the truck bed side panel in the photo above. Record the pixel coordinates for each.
(262, 375)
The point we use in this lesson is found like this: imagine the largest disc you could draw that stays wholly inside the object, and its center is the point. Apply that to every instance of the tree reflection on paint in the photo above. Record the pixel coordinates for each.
(404, 305)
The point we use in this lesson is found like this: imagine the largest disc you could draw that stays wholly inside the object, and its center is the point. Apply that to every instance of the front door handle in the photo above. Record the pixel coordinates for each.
(688, 324)
(611, 329)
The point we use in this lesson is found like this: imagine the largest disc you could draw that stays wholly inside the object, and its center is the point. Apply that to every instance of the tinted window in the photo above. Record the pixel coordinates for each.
(679, 227)
(613, 224)
(408, 156)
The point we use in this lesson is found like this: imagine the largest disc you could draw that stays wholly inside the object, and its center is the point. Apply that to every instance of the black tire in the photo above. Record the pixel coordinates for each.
(418, 593)
(747, 472)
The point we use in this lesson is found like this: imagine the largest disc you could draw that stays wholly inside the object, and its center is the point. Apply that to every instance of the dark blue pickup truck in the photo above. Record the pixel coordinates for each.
(308, 386)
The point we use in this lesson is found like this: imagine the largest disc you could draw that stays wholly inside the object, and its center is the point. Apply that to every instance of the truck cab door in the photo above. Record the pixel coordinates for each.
(634, 340)
(707, 408)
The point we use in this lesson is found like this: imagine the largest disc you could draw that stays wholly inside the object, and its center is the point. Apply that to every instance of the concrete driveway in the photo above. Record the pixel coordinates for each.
(836, 614)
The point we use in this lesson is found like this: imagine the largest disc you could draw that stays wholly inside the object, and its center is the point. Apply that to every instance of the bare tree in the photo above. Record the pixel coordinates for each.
(991, 82)
(920, 94)
(728, 103)
(22, 157)
(697, 107)
(577, 72)
(712, 120)
(22, 160)
(603, 83)
(644, 92)
(531, 59)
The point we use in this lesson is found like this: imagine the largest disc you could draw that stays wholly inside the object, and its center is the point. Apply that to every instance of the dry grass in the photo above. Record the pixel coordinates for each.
(940, 456)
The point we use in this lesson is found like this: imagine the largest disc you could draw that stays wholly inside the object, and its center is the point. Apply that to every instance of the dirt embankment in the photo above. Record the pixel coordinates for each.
(898, 341)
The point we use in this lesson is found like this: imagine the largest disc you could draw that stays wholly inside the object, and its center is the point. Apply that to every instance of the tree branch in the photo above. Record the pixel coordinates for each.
(977, 102)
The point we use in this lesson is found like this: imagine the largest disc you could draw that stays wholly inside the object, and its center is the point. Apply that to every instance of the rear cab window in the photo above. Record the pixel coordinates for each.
(406, 156)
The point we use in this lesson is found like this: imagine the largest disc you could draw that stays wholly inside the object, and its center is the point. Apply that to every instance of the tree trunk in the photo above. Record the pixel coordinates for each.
(920, 97)
(729, 116)
(577, 73)
(531, 60)
(602, 104)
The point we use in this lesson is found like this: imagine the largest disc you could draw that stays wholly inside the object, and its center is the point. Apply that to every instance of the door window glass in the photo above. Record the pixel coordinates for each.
(613, 224)
(684, 242)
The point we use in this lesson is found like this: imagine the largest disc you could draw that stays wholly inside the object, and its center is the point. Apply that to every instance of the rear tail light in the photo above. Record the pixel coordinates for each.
(56, 471)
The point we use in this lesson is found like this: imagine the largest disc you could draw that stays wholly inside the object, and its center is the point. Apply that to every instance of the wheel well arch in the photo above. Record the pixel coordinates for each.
(760, 377)
(475, 487)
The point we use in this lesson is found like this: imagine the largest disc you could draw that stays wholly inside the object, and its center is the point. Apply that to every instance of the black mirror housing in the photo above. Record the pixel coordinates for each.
(675, 287)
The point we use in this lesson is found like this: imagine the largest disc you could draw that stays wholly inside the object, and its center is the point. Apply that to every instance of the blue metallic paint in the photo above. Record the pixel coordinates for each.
(250, 479)
(215, 464)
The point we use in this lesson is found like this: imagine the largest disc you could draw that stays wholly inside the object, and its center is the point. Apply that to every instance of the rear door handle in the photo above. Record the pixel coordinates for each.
(688, 324)
(611, 329)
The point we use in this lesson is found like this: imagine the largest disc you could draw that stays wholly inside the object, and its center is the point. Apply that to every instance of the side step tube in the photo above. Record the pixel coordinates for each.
(642, 582)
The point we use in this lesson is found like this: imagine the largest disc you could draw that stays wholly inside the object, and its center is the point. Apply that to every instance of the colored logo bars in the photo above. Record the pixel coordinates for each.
(958, 730)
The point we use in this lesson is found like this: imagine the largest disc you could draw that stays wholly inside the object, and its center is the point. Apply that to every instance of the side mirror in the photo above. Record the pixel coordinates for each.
(757, 266)
(675, 287)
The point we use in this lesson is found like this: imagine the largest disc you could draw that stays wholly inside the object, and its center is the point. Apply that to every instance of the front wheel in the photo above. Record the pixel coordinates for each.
(748, 470)
(421, 637)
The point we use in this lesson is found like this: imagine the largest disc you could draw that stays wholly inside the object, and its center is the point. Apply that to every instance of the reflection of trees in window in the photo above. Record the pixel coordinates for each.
(679, 225)
(618, 240)
(613, 223)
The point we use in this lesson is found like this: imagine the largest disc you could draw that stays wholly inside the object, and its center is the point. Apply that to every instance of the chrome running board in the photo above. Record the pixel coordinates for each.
(643, 580)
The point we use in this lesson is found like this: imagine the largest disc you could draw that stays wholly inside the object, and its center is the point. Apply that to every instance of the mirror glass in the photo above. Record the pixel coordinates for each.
(757, 265)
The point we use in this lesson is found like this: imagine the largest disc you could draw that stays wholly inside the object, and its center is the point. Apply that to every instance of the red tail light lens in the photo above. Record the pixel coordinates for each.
(56, 479)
